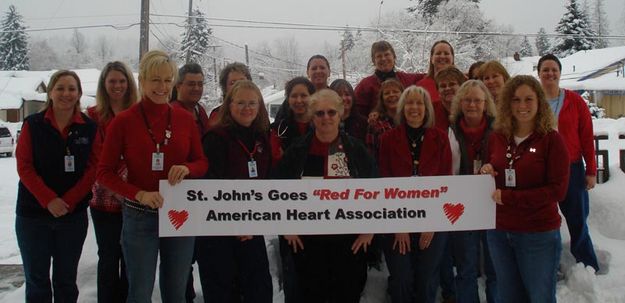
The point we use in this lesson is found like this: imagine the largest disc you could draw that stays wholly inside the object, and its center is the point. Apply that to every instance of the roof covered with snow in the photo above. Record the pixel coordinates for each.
(584, 63)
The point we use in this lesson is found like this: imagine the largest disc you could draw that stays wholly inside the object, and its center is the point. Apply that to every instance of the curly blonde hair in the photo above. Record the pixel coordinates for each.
(456, 109)
(505, 123)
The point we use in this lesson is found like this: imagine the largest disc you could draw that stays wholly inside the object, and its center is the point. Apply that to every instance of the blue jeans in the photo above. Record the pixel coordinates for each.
(141, 246)
(112, 282)
(526, 264)
(226, 261)
(489, 270)
(414, 277)
(465, 246)
(60, 239)
(575, 208)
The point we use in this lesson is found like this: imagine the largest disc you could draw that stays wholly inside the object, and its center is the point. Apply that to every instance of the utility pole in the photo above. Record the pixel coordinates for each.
(191, 24)
(343, 60)
(144, 31)
(247, 57)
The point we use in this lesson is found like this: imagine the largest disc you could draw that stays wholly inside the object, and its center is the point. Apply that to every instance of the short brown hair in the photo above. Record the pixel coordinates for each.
(493, 66)
(54, 79)
(505, 122)
(260, 123)
(232, 67)
(381, 46)
(450, 73)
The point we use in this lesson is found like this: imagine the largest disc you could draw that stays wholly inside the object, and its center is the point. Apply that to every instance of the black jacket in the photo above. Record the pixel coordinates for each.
(361, 164)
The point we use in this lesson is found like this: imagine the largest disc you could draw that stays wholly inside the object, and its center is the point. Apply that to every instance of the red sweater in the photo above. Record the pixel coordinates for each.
(542, 174)
(198, 113)
(395, 159)
(368, 90)
(430, 85)
(441, 116)
(575, 126)
(128, 137)
(34, 183)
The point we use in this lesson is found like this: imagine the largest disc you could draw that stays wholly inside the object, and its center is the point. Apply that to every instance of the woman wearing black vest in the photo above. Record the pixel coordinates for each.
(56, 166)
(237, 148)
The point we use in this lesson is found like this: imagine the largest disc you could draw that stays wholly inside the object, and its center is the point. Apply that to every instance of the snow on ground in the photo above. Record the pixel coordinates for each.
(607, 227)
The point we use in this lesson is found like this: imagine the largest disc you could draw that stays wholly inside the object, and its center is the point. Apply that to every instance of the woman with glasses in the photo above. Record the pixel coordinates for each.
(330, 268)
(414, 148)
(237, 148)
(472, 113)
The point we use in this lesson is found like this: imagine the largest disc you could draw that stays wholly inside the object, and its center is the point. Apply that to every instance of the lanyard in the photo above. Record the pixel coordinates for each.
(251, 154)
(512, 156)
(167, 130)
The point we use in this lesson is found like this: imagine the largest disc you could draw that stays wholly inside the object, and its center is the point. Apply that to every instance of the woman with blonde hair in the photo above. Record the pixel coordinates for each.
(116, 92)
(412, 149)
(529, 161)
(56, 165)
(157, 142)
(494, 75)
(472, 113)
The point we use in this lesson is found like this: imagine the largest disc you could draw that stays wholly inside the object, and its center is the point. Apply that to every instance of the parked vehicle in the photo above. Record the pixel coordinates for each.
(6, 142)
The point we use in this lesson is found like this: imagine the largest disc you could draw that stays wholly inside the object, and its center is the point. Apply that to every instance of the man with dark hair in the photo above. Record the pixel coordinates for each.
(189, 89)
(230, 74)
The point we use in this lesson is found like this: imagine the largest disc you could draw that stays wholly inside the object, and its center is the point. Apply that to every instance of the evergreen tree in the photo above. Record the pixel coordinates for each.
(542, 42)
(13, 42)
(347, 41)
(575, 23)
(600, 23)
(196, 39)
(429, 8)
(526, 48)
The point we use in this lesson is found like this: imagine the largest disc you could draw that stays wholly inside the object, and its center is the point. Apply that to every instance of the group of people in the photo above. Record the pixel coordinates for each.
(533, 137)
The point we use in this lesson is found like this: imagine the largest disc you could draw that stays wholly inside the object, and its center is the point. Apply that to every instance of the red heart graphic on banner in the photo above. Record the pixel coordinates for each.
(177, 218)
(453, 211)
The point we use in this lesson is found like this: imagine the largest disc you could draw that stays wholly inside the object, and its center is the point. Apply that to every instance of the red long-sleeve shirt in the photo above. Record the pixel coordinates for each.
(128, 136)
(430, 85)
(542, 174)
(575, 126)
(34, 183)
(367, 91)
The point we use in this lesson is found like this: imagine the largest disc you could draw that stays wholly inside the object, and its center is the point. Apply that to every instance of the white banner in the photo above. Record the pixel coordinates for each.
(330, 206)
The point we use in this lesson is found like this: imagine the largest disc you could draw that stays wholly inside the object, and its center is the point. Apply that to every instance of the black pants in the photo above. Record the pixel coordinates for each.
(328, 271)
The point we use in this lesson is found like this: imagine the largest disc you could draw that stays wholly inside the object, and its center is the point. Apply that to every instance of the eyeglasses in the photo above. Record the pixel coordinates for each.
(474, 101)
(194, 83)
(331, 113)
(243, 104)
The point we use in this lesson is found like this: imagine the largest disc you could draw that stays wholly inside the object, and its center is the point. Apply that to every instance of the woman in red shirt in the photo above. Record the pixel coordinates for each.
(116, 92)
(382, 118)
(157, 141)
(441, 57)
(530, 164)
(56, 164)
(494, 75)
(414, 148)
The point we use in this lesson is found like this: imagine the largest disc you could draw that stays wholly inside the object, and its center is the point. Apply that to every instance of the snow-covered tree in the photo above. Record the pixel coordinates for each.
(600, 23)
(43, 57)
(575, 23)
(526, 48)
(78, 42)
(542, 42)
(429, 8)
(13, 42)
(347, 40)
(595, 111)
(197, 38)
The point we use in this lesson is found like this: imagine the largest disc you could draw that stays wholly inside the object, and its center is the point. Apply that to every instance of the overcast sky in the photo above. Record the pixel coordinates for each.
(526, 16)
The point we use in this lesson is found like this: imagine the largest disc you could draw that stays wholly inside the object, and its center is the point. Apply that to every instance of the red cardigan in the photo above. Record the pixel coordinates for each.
(575, 126)
(395, 159)
(128, 136)
(430, 85)
(368, 90)
(441, 116)
(542, 174)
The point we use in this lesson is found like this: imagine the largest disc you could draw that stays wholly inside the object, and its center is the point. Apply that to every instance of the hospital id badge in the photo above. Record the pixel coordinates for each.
(70, 166)
(252, 170)
(158, 160)
(477, 165)
(510, 177)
